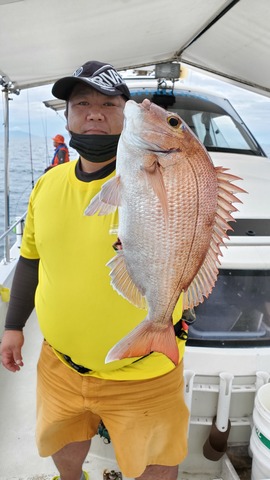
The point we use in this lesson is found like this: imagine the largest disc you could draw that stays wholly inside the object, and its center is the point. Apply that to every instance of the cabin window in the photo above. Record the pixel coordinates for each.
(213, 119)
(218, 131)
(216, 128)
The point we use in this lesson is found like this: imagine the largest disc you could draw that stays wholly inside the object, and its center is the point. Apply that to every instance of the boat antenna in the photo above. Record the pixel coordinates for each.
(30, 141)
(45, 132)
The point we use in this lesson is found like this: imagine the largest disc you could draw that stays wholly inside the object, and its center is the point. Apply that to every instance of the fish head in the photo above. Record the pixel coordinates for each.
(157, 142)
(162, 148)
(150, 128)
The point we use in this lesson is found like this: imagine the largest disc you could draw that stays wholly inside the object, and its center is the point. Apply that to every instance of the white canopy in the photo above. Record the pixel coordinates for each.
(42, 40)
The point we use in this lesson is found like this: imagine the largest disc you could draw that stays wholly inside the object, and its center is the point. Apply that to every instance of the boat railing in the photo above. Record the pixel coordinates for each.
(17, 228)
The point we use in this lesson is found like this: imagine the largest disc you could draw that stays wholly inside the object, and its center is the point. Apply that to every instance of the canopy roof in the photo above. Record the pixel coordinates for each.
(42, 40)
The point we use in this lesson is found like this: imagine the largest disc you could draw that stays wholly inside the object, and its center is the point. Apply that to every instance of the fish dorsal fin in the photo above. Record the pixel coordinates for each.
(122, 282)
(203, 283)
(107, 200)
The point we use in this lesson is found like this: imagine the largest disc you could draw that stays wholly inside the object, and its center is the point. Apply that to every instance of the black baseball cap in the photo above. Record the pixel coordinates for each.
(101, 76)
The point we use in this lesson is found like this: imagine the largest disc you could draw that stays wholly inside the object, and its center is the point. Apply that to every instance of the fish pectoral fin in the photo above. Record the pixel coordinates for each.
(97, 206)
(144, 339)
(110, 191)
(155, 179)
(122, 282)
(107, 200)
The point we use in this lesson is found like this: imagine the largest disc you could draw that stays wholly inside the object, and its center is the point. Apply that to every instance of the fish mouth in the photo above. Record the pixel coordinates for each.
(165, 152)
(142, 144)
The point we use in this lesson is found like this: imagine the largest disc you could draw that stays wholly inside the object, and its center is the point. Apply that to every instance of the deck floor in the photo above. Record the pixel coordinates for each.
(18, 455)
(19, 459)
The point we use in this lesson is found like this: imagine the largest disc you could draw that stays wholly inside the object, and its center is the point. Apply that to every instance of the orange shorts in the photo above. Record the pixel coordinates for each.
(147, 420)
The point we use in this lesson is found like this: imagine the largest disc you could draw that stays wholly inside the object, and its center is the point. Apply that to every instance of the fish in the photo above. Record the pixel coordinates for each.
(174, 207)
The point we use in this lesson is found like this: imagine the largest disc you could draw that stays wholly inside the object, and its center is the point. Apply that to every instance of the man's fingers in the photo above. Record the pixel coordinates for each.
(18, 357)
(12, 361)
(11, 350)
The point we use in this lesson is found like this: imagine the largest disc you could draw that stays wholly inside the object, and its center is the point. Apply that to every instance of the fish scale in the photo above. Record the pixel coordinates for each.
(174, 206)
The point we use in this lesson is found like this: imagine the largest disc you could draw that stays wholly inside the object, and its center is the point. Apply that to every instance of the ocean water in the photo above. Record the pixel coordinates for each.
(26, 165)
(24, 172)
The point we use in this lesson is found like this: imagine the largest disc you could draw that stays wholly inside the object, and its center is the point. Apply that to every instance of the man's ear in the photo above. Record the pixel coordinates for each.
(66, 115)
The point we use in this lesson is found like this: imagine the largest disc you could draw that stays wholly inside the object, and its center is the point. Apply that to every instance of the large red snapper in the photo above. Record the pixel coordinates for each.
(173, 211)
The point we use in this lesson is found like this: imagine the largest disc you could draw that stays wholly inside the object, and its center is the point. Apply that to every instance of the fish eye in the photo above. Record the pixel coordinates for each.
(173, 121)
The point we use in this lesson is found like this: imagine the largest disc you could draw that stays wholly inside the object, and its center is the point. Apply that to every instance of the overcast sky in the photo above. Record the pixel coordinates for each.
(253, 108)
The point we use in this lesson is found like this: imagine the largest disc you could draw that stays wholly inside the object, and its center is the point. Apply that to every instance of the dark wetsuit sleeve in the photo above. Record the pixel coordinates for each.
(61, 156)
(22, 296)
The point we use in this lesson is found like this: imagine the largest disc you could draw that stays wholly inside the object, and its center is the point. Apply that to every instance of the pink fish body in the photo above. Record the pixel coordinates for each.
(174, 206)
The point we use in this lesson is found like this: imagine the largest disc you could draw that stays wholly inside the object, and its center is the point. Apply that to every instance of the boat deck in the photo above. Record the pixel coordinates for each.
(19, 459)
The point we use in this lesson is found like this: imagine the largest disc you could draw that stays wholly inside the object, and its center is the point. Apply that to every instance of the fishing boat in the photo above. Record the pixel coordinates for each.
(227, 358)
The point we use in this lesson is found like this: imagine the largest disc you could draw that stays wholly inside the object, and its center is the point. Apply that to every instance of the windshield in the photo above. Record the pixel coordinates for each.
(237, 313)
(211, 118)
(215, 127)
(217, 130)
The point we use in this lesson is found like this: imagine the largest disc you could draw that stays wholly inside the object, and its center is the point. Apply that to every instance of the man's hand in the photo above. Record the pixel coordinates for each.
(11, 350)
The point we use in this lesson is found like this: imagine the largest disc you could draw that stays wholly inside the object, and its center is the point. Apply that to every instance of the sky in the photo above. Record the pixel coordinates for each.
(27, 109)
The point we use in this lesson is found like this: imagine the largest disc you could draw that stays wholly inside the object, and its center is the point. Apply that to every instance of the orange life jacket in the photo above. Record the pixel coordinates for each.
(61, 148)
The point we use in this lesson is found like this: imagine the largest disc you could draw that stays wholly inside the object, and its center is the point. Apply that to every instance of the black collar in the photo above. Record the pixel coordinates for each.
(89, 177)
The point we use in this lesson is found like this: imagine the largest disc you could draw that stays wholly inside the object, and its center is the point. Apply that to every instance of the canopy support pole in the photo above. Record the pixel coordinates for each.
(6, 173)
(8, 88)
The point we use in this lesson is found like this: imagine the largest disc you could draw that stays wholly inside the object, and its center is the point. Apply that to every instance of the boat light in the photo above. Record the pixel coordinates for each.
(170, 71)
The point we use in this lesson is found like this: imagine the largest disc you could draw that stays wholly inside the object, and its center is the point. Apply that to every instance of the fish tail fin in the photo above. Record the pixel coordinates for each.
(144, 339)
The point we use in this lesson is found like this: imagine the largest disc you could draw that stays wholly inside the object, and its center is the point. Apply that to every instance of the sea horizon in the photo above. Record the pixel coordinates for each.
(26, 165)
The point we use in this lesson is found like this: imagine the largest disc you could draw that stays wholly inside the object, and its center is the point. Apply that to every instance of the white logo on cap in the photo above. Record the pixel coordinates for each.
(107, 80)
(78, 72)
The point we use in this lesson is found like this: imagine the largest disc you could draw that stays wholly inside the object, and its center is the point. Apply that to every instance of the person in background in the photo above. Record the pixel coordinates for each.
(62, 272)
(61, 153)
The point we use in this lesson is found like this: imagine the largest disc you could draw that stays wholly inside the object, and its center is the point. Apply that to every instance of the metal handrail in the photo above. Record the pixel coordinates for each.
(18, 224)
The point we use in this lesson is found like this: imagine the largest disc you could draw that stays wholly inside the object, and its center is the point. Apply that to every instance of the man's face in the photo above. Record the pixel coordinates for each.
(92, 113)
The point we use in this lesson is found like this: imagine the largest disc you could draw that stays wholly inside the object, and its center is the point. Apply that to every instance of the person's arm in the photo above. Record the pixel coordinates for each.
(20, 307)
(61, 156)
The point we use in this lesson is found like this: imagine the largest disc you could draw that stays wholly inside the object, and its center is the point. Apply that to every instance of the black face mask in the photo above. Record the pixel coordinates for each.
(95, 148)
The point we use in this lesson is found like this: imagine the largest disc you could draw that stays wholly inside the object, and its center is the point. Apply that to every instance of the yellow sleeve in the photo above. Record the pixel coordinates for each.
(28, 246)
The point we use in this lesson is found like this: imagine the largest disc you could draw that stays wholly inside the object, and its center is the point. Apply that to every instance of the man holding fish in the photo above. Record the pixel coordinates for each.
(103, 358)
